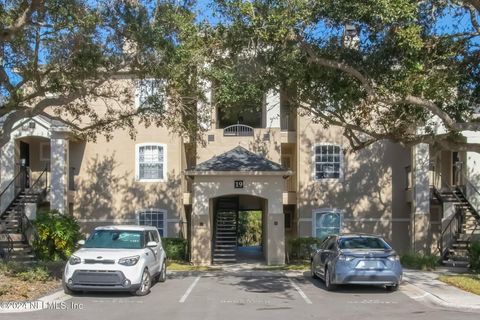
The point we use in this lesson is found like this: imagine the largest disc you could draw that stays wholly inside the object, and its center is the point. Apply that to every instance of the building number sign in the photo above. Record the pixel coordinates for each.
(238, 184)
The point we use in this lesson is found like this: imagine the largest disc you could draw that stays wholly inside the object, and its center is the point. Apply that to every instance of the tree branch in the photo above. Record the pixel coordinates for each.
(314, 58)
(9, 33)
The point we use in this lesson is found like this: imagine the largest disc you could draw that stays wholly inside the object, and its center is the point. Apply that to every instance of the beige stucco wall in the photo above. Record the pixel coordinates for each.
(257, 143)
(106, 189)
(371, 194)
(268, 187)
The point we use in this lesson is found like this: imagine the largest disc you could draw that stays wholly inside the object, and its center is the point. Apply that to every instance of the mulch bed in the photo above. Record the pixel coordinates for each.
(14, 289)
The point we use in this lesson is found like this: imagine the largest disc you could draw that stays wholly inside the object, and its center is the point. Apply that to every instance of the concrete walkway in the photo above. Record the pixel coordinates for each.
(425, 286)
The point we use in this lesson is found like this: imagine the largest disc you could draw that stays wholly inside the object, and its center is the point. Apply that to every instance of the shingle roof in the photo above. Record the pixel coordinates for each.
(239, 159)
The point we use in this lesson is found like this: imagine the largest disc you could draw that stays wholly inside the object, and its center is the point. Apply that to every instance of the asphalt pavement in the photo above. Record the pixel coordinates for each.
(247, 295)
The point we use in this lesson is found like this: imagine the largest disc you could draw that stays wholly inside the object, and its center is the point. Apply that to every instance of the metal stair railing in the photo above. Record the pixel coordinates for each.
(476, 215)
(9, 185)
(27, 228)
(454, 225)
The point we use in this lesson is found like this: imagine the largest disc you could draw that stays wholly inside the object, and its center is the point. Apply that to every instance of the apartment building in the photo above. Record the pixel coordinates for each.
(299, 174)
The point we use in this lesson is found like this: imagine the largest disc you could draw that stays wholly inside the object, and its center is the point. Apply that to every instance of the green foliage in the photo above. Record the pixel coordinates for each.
(38, 272)
(419, 261)
(250, 228)
(175, 248)
(474, 255)
(301, 248)
(57, 236)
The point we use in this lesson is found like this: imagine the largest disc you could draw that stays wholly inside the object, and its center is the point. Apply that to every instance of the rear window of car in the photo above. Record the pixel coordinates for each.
(363, 243)
(116, 239)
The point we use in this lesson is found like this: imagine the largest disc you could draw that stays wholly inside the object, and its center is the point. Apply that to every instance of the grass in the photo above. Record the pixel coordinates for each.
(470, 283)
(185, 266)
(292, 266)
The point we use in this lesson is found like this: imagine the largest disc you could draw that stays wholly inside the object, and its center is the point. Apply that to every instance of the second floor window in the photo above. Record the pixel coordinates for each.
(328, 162)
(150, 93)
(150, 162)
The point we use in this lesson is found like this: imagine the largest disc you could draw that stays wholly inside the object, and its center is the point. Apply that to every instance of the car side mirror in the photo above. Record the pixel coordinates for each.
(81, 242)
(152, 244)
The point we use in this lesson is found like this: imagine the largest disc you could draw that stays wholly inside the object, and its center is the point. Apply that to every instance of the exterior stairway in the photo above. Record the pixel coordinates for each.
(14, 245)
(225, 240)
(465, 226)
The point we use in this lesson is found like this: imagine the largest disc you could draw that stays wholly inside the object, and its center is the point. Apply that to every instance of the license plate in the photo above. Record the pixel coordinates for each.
(370, 265)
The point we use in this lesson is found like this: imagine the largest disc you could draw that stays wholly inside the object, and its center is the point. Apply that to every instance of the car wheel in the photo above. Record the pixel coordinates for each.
(162, 276)
(328, 280)
(312, 272)
(393, 287)
(145, 284)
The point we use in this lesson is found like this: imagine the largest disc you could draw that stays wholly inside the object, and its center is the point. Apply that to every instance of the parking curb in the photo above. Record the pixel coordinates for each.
(54, 300)
(418, 294)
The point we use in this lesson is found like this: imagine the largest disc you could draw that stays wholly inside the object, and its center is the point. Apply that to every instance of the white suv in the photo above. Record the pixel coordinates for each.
(117, 258)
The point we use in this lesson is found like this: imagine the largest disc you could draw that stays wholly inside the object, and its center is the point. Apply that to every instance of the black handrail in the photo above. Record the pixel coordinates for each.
(25, 222)
(459, 213)
(11, 182)
(6, 254)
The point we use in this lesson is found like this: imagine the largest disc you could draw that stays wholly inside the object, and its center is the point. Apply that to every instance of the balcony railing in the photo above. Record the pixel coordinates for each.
(238, 130)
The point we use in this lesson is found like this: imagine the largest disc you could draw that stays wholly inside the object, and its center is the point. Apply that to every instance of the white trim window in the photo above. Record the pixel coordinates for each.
(150, 93)
(154, 217)
(151, 162)
(328, 162)
(326, 222)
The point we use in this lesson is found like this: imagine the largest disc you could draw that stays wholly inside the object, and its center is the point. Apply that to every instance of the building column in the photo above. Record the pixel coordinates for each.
(420, 217)
(275, 251)
(201, 231)
(59, 157)
(7, 173)
(272, 109)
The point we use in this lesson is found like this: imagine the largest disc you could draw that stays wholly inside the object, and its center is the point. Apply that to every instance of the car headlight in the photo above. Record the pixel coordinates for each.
(74, 260)
(345, 258)
(129, 261)
(394, 258)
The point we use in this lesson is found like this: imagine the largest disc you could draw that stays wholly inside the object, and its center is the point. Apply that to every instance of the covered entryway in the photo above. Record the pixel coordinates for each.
(248, 178)
(238, 229)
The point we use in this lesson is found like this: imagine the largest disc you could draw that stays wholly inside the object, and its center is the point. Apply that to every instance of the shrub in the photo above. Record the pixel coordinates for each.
(301, 248)
(37, 272)
(57, 236)
(175, 248)
(419, 261)
(250, 228)
(474, 256)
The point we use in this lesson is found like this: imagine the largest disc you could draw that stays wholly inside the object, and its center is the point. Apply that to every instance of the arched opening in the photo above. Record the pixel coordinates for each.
(239, 229)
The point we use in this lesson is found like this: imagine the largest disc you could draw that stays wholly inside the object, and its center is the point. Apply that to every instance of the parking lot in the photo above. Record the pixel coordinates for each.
(245, 295)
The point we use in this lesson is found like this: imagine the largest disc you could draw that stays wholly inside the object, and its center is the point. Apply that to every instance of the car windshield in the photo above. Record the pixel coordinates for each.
(116, 239)
(363, 243)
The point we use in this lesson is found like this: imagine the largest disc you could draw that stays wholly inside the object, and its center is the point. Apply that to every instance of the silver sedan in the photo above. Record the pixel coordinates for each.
(356, 259)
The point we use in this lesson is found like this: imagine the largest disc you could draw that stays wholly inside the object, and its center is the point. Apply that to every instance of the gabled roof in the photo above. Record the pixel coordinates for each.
(238, 159)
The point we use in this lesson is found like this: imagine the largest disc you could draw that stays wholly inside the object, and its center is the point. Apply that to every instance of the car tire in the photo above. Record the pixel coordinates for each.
(162, 276)
(328, 280)
(392, 288)
(145, 284)
(312, 272)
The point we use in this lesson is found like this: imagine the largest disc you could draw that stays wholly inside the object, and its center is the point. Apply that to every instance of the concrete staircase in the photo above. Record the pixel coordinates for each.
(456, 254)
(13, 243)
(225, 240)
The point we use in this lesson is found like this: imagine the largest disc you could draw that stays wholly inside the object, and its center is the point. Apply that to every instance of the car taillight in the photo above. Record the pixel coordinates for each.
(394, 258)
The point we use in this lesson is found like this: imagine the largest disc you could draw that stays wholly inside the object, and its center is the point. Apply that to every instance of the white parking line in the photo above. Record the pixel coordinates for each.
(300, 292)
(189, 290)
